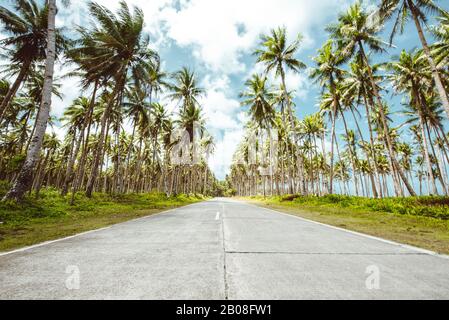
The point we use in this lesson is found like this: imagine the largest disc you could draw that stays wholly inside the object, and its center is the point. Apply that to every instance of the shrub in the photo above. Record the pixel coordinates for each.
(435, 207)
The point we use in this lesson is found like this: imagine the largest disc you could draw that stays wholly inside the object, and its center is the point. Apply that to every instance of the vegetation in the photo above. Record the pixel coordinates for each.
(122, 79)
(421, 222)
(435, 207)
(376, 156)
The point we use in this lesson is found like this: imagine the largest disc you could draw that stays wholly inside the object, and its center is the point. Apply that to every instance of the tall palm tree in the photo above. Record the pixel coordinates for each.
(258, 97)
(356, 29)
(24, 179)
(75, 117)
(279, 56)
(185, 89)
(327, 73)
(26, 28)
(126, 51)
(417, 10)
(410, 74)
(157, 80)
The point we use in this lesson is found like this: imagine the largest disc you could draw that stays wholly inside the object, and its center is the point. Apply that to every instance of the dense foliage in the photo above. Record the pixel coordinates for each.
(122, 81)
(375, 156)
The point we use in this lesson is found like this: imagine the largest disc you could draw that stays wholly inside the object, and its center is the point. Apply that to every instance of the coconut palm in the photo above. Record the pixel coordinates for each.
(279, 56)
(440, 50)
(75, 117)
(356, 28)
(24, 180)
(126, 52)
(410, 74)
(258, 98)
(185, 89)
(327, 73)
(418, 10)
(27, 28)
(357, 87)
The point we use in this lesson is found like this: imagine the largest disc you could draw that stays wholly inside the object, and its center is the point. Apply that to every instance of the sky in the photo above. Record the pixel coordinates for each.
(216, 38)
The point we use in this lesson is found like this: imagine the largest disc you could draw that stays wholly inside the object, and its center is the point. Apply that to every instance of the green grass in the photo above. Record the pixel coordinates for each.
(422, 222)
(51, 217)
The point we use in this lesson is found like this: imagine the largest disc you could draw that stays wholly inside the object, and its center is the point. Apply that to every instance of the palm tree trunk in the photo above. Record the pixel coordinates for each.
(437, 164)
(391, 152)
(368, 156)
(323, 148)
(205, 179)
(79, 176)
(333, 138)
(71, 164)
(426, 152)
(24, 179)
(25, 68)
(101, 140)
(127, 174)
(351, 155)
(373, 151)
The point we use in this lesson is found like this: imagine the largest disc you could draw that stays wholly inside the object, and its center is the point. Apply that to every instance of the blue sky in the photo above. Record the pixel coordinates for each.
(216, 38)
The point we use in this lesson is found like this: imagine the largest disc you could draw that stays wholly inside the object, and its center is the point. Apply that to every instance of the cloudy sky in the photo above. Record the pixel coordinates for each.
(216, 38)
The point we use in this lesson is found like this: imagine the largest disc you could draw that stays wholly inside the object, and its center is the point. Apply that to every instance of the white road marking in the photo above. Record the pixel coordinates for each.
(217, 217)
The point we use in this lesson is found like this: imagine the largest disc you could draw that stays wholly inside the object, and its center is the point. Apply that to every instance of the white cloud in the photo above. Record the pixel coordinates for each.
(220, 110)
(221, 31)
(70, 89)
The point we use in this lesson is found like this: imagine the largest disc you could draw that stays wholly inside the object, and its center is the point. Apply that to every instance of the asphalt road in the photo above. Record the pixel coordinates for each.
(222, 249)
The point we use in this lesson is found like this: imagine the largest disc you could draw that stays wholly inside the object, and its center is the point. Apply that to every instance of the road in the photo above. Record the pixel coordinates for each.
(222, 249)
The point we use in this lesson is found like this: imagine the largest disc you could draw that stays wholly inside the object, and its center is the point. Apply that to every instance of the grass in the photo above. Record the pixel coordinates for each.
(51, 217)
(421, 222)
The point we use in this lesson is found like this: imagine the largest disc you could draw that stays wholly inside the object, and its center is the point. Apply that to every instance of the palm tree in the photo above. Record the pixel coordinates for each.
(357, 87)
(410, 75)
(327, 73)
(24, 179)
(157, 80)
(311, 127)
(258, 97)
(160, 124)
(279, 56)
(75, 116)
(440, 50)
(138, 110)
(355, 29)
(125, 51)
(208, 144)
(418, 10)
(185, 89)
(27, 28)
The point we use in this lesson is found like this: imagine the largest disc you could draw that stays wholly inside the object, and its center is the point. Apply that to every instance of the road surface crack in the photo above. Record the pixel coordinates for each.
(225, 273)
(329, 253)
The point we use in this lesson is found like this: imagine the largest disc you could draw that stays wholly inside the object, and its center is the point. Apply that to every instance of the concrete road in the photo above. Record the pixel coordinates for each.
(223, 249)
